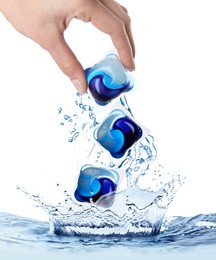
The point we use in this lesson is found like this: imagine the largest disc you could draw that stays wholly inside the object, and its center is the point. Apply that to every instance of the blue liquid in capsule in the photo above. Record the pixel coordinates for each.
(108, 79)
(118, 133)
(95, 182)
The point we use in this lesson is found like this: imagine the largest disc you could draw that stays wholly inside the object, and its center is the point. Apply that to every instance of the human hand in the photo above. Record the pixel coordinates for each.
(45, 23)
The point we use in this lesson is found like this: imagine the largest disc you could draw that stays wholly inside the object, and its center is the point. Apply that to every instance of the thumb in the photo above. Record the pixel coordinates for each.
(68, 63)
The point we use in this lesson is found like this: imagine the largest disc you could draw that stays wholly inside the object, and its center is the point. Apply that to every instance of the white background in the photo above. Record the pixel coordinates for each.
(176, 66)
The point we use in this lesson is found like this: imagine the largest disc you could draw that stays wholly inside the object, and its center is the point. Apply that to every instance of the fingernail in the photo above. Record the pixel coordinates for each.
(133, 67)
(78, 86)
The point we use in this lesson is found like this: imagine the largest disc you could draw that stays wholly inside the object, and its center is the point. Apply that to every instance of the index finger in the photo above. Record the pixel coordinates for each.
(121, 12)
(107, 22)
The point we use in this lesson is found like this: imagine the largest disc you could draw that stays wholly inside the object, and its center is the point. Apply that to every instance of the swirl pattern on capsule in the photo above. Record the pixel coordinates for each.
(108, 79)
(118, 133)
(95, 182)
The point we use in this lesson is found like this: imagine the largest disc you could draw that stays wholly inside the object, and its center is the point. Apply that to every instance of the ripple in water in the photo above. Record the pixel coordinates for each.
(144, 194)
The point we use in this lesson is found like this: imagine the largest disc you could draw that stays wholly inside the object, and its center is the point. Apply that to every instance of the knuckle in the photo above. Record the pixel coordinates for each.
(66, 67)
(127, 19)
(70, 67)
(86, 8)
(124, 9)
(120, 25)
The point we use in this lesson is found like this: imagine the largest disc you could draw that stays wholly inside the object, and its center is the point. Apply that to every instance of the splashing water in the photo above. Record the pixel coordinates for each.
(145, 191)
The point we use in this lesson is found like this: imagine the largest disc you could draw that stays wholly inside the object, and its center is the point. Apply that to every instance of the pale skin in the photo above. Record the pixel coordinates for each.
(45, 21)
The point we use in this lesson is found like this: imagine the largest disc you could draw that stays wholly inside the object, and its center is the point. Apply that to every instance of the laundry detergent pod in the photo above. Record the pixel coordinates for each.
(117, 133)
(96, 182)
(108, 79)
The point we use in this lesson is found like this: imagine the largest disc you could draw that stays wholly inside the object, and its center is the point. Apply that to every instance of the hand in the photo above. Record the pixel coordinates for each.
(45, 23)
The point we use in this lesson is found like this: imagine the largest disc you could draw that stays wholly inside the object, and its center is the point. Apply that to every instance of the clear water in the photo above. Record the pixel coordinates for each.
(176, 232)
(136, 218)
(179, 237)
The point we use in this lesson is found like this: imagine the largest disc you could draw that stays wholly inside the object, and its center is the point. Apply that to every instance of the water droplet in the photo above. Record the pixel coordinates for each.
(66, 117)
(59, 110)
(141, 160)
(74, 137)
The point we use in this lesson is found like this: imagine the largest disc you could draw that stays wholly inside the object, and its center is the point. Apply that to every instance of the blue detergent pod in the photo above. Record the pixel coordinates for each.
(95, 182)
(118, 133)
(108, 79)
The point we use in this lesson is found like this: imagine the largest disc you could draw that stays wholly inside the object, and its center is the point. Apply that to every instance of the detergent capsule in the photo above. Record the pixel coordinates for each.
(96, 183)
(108, 79)
(118, 133)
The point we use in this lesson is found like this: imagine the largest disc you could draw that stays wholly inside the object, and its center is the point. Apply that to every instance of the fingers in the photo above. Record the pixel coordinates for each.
(113, 24)
(67, 61)
(121, 13)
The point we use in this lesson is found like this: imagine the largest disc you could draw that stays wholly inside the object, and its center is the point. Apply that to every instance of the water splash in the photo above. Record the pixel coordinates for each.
(146, 190)
(133, 212)
(176, 233)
